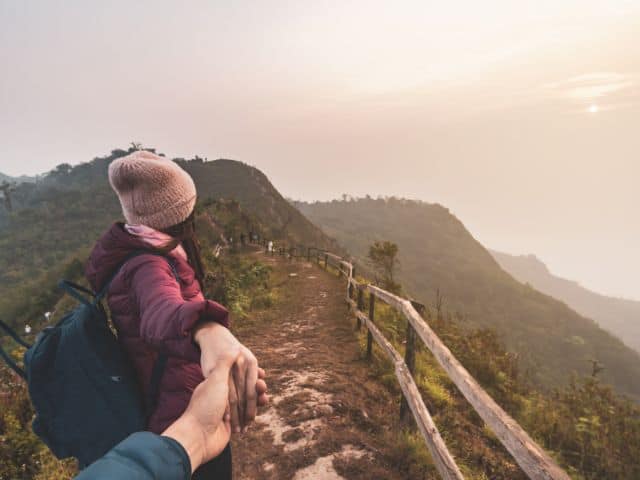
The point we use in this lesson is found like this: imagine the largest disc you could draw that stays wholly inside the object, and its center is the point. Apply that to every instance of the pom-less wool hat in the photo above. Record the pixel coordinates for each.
(152, 190)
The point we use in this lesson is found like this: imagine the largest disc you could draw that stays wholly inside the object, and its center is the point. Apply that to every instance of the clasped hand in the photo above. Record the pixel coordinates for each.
(247, 388)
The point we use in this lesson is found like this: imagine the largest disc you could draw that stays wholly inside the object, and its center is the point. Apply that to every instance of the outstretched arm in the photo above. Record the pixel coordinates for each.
(167, 320)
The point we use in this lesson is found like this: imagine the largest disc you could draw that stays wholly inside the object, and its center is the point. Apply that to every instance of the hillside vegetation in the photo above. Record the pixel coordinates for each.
(55, 223)
(590, 431)
(438, 254)
(616, 315)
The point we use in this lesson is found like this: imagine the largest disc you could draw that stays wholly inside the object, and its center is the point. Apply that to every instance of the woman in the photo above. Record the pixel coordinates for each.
(156, 301)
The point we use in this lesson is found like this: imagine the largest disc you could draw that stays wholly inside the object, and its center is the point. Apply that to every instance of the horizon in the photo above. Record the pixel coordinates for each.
(519, 118)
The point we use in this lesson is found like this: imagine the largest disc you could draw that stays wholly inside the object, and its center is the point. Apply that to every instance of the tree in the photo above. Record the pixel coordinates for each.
(383, 257)
(61, 170)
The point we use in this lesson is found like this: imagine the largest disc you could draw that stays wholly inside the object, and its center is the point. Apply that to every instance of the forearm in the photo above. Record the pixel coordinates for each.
(190, 436)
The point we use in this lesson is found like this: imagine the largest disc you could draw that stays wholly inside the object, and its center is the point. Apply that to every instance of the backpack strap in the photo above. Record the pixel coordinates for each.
(12, 333)
(5, 356)
(74, 290)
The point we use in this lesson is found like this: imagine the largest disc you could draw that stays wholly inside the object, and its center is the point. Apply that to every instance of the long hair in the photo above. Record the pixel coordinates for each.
(185, 233)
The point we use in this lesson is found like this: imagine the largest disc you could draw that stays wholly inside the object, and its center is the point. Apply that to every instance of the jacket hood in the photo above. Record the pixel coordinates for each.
(111, 249)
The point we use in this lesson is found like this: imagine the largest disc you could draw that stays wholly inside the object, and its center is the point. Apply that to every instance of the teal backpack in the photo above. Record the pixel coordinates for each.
(83, 390)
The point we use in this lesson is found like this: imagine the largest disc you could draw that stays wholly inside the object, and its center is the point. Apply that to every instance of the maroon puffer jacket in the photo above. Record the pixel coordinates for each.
(153, 313)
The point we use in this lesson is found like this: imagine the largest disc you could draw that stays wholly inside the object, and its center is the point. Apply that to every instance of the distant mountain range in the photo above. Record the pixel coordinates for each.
(616, 315)
(20, 179)
(437, 252)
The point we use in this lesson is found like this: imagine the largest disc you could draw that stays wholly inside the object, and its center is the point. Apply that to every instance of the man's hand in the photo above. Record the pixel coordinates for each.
(247, 388)
(204, 428)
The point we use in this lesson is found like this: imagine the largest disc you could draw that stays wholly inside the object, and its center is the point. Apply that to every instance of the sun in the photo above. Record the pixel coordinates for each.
(593, 108)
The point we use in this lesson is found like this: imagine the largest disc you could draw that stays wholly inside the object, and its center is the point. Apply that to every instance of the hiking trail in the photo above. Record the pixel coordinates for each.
(327, 417)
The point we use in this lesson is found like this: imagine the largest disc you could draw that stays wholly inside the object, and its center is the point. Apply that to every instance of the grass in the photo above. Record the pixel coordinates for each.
(475, 449)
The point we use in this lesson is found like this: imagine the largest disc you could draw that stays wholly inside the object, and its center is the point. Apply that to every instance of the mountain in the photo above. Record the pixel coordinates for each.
(56, 221)
(20, 179)
(616, 315)
(591, 431)
(437, 253)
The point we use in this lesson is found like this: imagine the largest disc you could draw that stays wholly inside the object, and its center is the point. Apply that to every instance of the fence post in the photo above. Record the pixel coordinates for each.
(308, 254)
(410, 355)
(360, 304)
(372, 310)
(326, 260)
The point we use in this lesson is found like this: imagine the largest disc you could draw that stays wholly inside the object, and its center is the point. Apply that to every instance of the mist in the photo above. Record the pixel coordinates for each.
(521, 119)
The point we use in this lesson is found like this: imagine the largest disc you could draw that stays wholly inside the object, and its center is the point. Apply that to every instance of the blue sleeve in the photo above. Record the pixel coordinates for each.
(141, 456)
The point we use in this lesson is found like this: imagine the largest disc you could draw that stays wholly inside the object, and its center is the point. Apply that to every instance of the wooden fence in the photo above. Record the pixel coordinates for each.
(533, 460)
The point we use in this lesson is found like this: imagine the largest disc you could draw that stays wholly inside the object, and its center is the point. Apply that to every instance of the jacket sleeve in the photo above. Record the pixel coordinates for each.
(141, 456)
(166, 318)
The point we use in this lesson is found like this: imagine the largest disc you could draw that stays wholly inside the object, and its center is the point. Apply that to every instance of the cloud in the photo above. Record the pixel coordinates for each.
(594, 86)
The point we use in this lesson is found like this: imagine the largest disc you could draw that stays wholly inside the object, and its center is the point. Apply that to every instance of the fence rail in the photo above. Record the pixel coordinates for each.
(533, 460)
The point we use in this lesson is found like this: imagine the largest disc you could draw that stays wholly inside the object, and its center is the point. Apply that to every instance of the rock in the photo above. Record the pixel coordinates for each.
(324, 410)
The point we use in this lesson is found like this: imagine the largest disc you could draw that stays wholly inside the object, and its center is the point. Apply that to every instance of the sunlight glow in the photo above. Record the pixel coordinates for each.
(593, 109)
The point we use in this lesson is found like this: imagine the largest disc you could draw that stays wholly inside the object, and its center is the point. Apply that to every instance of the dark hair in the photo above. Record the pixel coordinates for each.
(185, 233)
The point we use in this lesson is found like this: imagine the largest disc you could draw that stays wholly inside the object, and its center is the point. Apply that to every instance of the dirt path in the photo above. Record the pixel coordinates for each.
(327, 418)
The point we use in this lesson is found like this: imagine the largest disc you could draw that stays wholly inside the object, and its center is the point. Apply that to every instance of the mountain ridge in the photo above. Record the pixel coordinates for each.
(620, 316)
(438, 254)
(55, 222)
(21, 179)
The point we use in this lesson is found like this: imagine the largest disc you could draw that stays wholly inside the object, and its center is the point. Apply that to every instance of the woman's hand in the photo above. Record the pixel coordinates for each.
(247, 388)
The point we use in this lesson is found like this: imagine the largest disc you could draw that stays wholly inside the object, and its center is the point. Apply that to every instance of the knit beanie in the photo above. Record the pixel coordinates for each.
(152, 190)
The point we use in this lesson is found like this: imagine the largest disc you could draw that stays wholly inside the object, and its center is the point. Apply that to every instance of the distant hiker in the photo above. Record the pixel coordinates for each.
(161, 318)
(196, 437)
(270, 246)
(242, 239)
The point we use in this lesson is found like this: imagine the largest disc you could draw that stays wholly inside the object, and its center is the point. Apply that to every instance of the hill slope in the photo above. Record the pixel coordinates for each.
(616, 315)
(437, 252)
(55, 222)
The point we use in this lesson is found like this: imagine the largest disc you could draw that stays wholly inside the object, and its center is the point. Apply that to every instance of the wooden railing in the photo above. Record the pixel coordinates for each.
(533, 460)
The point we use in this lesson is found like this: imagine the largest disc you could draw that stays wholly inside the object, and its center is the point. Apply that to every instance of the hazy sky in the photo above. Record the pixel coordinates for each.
(522, 117)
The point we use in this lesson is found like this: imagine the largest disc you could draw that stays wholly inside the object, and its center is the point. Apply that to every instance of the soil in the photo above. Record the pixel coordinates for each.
(327, 417)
